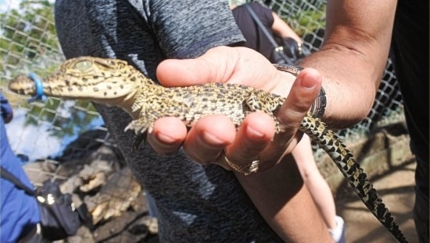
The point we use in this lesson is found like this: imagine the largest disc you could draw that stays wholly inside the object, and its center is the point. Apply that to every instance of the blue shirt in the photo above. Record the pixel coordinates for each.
(19, 211)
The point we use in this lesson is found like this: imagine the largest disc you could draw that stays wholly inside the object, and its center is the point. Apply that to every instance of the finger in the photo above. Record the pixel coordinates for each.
(303, 93)
(208, 137)
(253, 136)
(167, 135)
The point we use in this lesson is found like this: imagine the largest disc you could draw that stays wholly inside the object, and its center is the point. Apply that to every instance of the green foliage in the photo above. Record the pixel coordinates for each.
(310, 20)
(28, 42)
(307, 18)
(28, 37)
(307, 21)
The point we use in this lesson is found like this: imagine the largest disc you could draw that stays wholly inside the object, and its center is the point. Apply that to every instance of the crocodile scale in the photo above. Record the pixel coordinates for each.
(114, 82)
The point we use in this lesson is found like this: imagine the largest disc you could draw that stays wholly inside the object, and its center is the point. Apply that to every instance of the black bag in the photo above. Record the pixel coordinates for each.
(58, 217)
(285, 50)
(288, 51)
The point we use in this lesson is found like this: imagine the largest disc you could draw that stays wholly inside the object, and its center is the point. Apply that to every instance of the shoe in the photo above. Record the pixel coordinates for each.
(338, 234)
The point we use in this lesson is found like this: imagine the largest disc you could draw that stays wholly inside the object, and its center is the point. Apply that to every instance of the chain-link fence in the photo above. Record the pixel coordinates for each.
(28, 42)
(45, 130)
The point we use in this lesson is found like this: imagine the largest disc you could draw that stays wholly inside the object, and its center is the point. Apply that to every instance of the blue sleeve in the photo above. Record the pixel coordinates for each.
(19, 211)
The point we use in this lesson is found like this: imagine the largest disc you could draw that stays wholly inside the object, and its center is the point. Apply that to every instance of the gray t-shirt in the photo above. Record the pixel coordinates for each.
(196, 203)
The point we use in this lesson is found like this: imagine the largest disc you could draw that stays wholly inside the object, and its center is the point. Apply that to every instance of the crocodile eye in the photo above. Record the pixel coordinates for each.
(83, 65)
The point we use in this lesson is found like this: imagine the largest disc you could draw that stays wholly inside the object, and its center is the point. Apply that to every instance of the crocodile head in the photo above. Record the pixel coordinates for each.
(89, 78)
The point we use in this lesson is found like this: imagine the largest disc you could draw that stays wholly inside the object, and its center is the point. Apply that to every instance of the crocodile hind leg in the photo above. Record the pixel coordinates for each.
(352, 171)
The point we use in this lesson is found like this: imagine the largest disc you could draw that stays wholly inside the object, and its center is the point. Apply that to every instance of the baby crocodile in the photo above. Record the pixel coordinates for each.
(114, 82)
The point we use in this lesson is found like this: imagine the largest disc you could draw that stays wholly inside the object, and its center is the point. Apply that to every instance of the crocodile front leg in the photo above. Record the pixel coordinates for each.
(159, 107)
(141, 127)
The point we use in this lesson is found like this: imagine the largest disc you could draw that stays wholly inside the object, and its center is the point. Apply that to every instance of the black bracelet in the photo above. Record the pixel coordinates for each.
(318, 107)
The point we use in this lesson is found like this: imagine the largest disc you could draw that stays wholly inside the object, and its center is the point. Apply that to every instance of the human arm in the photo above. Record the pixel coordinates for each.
(315, 182)
(286, 203)
(288, 209)
(351, 61)
(280, 28)
(352, 58)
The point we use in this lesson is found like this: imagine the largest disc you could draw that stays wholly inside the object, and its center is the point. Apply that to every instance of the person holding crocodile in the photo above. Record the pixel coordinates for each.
(351, 62)
(302, 153)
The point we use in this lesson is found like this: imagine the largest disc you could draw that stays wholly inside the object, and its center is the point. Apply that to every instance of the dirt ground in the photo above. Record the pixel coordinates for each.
(395, 187)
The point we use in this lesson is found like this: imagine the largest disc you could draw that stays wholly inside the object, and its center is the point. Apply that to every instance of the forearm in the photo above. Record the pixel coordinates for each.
(349, 91)
(353, 57)
(282, 29)
(285, 203)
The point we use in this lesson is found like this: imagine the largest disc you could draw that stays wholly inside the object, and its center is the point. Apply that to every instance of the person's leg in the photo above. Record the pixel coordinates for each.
(318, 187)
(284, 201)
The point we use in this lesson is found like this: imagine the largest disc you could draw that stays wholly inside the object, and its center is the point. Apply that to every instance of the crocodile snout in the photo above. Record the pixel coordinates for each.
(22, 85)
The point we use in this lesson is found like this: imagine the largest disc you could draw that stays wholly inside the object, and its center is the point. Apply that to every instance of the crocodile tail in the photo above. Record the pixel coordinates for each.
(352, 171)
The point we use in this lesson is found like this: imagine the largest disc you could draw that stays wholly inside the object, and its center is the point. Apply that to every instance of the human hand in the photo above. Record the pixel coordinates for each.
(212, 136)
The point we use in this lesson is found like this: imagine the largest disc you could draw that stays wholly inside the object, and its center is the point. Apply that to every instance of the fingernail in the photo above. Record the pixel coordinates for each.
(307, 82)
(164, 138)
(254, 132)
(213, 139)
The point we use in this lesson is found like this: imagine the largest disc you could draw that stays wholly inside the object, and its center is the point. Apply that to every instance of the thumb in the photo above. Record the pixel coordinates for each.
(303, 93)
(215, 66)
